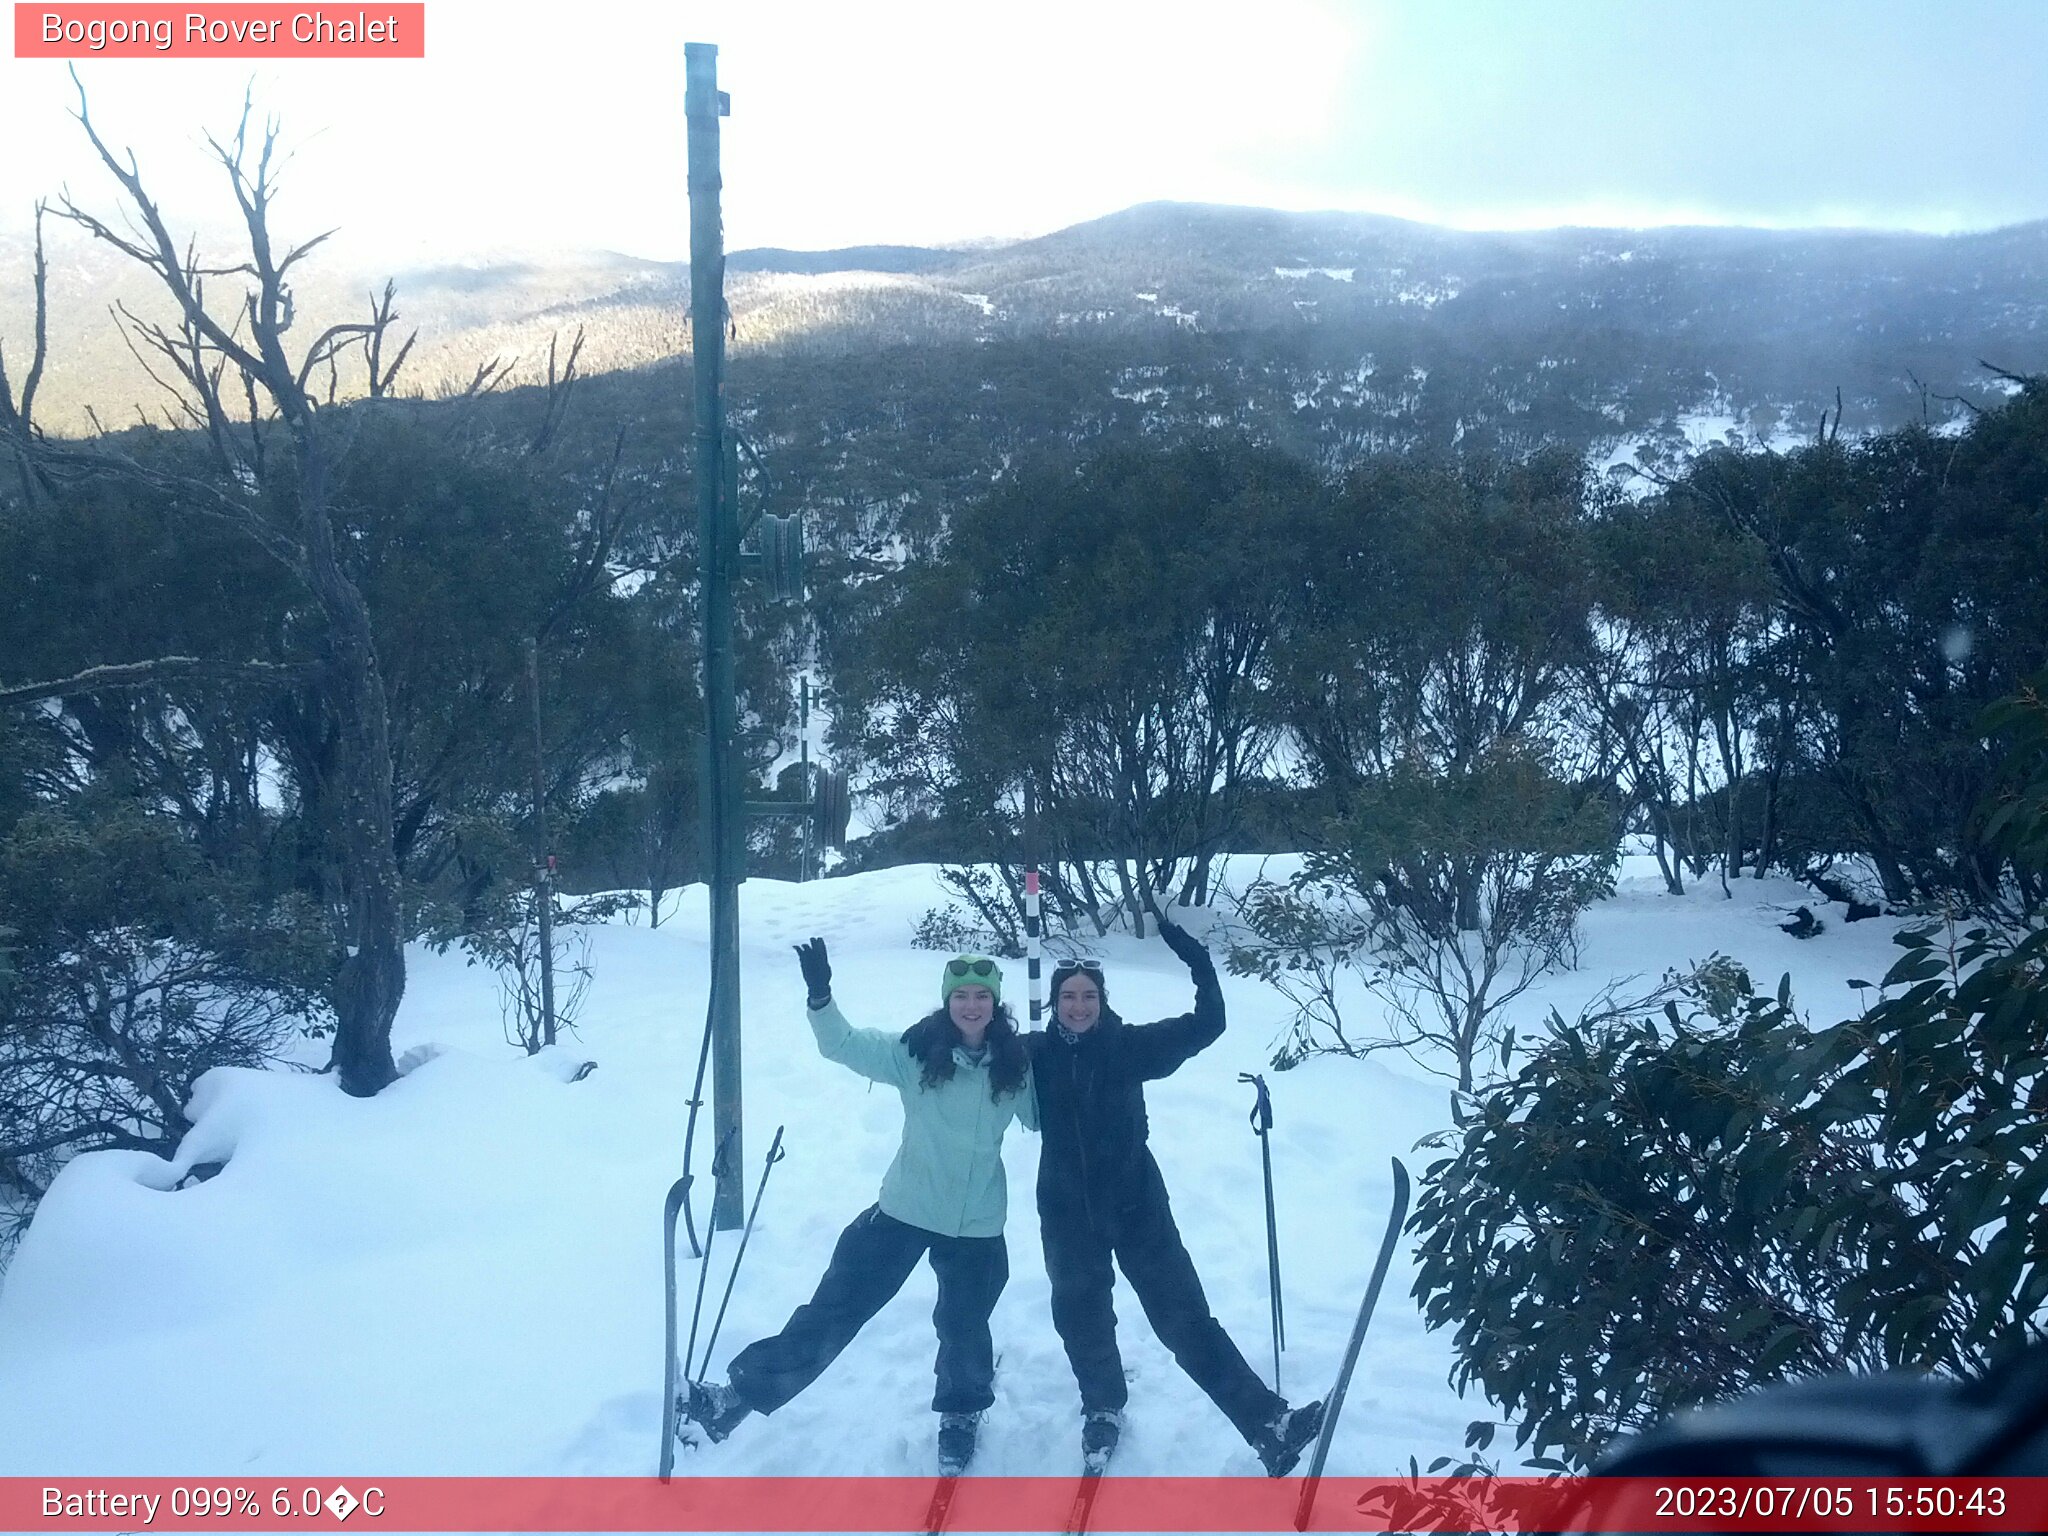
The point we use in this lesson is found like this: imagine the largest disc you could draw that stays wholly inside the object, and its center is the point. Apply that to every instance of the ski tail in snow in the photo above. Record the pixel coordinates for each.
(941, 1508)
(670, 1386)
(1334, 1403)
(1092, 1468)
(1084, 1503)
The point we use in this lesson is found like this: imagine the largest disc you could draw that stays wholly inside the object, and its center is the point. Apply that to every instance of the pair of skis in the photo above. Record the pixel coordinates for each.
(1077, 1515)
(671, 1386)
(941, 1507)
(1083, 1506)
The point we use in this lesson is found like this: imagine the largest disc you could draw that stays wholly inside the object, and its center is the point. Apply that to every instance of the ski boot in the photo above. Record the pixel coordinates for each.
(1281, 1442)
(1100, 1429)
(958, 1433)
(715, 1407)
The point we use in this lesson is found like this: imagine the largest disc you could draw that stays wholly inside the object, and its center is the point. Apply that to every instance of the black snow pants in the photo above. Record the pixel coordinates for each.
(870, 1262)
(1147, 1246)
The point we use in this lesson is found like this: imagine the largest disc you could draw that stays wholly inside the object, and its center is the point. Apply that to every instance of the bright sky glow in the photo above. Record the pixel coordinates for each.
(534, 125)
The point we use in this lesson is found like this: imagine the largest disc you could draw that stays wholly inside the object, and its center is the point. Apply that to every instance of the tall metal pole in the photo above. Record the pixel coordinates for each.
(723, 823)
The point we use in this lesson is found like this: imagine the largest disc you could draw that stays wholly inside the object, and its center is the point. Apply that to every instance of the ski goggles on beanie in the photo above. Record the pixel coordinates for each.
(971, 971)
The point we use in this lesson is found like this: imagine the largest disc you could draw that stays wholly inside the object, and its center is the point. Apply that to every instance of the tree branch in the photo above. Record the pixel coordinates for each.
(145, 674)
(2008, 374)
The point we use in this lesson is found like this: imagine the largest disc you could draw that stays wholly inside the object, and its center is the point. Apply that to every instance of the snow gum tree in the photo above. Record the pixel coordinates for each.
(1456, 826)
(1678, 684)
(1106, 636)
(276, 445)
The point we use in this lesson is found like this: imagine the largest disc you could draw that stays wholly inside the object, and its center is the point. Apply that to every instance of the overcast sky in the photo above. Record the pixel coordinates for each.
(538, 125)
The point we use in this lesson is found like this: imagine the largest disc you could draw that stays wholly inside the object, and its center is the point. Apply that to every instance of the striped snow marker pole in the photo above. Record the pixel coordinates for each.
(1033, 949)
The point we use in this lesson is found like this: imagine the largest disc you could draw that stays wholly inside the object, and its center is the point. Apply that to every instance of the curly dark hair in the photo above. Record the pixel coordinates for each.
(932, 1038)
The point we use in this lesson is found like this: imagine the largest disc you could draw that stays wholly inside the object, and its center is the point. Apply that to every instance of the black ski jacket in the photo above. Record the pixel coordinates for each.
(1094, 1165)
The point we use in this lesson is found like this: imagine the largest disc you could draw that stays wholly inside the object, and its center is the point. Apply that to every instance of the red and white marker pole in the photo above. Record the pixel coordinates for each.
(1033, 948)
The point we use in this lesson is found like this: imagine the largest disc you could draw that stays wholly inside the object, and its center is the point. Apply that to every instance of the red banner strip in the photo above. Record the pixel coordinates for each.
(1194, 1504)
(375, 31)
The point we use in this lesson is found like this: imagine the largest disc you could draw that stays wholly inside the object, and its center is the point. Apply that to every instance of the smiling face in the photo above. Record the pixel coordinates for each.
(971, 1008)
(1079, 1003)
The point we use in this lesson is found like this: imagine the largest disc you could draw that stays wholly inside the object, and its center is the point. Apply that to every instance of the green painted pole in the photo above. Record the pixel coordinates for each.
(718, 539)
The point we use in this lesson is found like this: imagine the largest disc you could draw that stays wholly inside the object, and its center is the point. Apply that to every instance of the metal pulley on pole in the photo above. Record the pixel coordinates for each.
(778, 555)
(830, 807)
(723, 820)
(786, 558)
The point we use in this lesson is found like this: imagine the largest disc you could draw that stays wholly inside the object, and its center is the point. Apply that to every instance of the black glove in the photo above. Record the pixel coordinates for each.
(817, 971)
(1179, 940)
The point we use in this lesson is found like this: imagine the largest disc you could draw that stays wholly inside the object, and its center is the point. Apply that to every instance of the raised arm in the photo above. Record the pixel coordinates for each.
(872, 1053)
(1159, 1049)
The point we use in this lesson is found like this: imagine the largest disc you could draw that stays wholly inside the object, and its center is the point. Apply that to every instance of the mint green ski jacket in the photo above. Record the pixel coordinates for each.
(948, 1173)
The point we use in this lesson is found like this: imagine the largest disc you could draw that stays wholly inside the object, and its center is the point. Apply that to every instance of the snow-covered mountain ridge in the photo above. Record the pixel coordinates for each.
(1350, 330)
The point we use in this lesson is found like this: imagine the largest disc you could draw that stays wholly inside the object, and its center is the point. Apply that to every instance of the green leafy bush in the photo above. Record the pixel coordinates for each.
(1698, 1193)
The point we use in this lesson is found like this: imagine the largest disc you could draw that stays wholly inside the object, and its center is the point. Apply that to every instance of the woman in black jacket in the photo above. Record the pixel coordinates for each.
(1101, 1196)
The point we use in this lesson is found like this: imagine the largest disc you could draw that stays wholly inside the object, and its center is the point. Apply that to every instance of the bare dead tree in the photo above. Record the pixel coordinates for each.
(490, 375)
(2008, 375)
(213, 352)
(381, 316)
(559, 386)
(17, 419)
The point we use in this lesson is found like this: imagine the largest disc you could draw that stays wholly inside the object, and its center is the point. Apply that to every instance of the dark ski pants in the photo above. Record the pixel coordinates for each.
(1148, 1248)
(870, 1262)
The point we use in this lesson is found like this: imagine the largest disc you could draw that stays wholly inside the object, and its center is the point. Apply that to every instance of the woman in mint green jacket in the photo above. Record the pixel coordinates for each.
(963, 1076)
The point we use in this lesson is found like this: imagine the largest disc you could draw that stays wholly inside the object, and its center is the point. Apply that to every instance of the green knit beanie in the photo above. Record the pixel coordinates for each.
(970, 971)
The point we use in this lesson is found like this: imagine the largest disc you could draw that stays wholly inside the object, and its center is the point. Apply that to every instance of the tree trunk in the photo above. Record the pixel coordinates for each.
(1467, 875)
(1767, 839)
(1674, 881)
(1774, 778)
(1731, 847)
(1130, 895)
(371, 979)
(1468, 1047)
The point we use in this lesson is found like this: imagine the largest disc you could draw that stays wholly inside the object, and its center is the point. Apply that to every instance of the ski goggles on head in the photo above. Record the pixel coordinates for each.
(971, 971)
(1067, 970)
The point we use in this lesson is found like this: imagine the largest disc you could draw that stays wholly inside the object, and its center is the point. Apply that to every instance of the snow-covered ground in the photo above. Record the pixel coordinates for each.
(463, 1275)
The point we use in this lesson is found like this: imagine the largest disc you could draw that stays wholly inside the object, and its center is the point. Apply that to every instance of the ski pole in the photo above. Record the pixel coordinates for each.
(718, 1164)
(1262, 1122)
(775, 1155)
